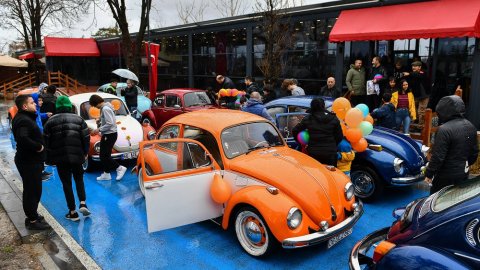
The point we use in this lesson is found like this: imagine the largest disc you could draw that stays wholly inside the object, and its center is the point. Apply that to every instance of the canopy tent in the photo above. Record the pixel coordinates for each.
(29, 55)
(430, 19)
(7, 61)
(55, 46)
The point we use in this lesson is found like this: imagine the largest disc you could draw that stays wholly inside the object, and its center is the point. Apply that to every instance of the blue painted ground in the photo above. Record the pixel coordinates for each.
(116, 235)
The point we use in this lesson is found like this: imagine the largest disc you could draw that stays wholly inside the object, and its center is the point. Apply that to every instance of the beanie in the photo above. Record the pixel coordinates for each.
(63, 102)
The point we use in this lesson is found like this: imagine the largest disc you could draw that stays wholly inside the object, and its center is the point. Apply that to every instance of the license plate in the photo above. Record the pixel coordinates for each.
(337, 238)
(130, 155)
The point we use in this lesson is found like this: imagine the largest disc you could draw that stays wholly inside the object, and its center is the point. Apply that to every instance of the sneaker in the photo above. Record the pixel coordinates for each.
(72, 217)
(104, 176)
(37, 225)
(120, 172)
(84, 210)
(40, 218)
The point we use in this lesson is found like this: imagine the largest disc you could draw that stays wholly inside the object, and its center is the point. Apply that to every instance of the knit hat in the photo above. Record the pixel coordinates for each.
(417, 64)
(63, 102)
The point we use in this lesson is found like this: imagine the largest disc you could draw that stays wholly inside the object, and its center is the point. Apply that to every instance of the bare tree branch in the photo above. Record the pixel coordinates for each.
(230, 8)
(192, 11)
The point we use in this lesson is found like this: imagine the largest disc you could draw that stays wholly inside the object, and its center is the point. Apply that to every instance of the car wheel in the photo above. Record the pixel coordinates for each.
(367, 183)
(140, 178)
(253, 233)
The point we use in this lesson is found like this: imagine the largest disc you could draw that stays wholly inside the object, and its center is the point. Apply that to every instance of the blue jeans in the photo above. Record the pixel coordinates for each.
(403, 116)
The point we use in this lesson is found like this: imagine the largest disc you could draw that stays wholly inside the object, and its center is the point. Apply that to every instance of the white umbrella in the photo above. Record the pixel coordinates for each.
(125, 73)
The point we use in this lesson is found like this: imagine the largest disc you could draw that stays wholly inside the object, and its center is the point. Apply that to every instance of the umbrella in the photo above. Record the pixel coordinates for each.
(125, 73)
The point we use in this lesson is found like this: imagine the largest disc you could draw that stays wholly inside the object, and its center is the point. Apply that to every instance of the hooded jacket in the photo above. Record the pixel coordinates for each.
(385, 116)
(41, 117)
(108, 122)
(28, 137)
(455, 147)
(256, 107)
(356, 81)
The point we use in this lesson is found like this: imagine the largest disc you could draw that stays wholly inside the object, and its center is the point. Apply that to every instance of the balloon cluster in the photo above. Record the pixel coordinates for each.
(356, 122)
(232, 93)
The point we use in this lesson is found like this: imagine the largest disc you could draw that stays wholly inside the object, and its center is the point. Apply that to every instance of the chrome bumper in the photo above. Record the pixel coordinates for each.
(408, 180)
(319, 237)
(357, 255)
(114, 156)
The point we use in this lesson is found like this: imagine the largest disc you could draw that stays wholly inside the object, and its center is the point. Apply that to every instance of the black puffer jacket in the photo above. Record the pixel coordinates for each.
(325, 132)
(455, 141)
(29, 138)
(67, 139)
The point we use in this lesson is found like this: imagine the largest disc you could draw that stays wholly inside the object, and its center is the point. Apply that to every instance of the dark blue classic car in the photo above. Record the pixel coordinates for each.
(441, 231)
(392, 159)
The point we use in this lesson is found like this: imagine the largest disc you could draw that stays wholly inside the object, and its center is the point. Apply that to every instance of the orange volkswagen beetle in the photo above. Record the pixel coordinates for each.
(235, 168)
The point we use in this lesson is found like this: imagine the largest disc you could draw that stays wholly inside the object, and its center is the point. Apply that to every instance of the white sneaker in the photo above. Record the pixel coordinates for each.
(104, 176)
(120, 172)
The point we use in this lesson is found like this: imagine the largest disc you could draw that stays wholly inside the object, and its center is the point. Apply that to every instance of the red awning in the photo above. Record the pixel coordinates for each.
(430, 19)
(29, 55)
(71, 47)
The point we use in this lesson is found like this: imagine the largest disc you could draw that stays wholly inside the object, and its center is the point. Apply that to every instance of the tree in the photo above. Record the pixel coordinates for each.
(230, 8)
(131, 50)
(192, 11)
(106, 32)
(29, 17)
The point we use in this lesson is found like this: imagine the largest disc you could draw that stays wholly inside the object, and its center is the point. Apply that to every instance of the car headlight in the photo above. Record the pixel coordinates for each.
(96, 147)
(398, 165)
(151, 135)
(349, 191)
(424, 149)
(294, 218)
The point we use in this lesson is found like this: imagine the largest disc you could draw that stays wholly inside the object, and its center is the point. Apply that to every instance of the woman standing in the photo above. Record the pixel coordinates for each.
(405, 104)
(130, 93)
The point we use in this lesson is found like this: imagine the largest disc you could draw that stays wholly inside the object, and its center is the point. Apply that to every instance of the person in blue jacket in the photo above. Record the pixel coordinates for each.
(254, 105)
(385, 115)
(37, 98)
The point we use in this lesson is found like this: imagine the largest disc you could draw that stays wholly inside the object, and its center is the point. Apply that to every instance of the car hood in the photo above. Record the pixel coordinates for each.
(130, 133)
(399, 145)
(299, 176)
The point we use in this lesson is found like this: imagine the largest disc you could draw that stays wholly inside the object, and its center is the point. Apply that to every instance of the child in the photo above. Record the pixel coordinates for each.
(345, 156)
(385, 115)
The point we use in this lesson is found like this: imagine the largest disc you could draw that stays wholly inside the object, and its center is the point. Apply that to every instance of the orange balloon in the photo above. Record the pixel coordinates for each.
(94, 112)
(353, 135)
(116, 104)
(369, 118)
(340, 106)
(353, 118)
(360, 146)
(220, 190)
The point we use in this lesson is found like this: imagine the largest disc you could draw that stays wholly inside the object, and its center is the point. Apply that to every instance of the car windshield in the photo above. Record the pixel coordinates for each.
(242, 139)
(196, 99)
(119, 108)
(456, 194)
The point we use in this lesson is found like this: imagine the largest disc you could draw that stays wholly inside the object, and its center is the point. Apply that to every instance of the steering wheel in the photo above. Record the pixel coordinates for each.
(259, 143)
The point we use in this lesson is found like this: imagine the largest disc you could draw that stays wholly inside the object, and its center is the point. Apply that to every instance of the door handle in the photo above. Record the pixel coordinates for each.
(154, 186)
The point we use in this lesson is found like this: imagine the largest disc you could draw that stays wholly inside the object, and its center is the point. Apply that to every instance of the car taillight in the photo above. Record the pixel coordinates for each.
(381, 250)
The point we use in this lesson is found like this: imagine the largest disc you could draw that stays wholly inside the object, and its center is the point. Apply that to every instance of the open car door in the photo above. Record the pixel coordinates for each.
(177, 177)
(285, 123)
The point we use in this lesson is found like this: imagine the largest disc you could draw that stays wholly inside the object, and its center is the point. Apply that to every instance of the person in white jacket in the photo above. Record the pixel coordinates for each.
(108, 132)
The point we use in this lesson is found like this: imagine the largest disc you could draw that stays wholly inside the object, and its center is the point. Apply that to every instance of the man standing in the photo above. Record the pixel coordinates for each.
(254, 105)
(455, 148)
(420, 86)
(356, 83)
(251, 85)
(330, 90)
(108, 132)
(379, 77)
(225, 82)
(67, 140)
(29, 159)
(131, 95)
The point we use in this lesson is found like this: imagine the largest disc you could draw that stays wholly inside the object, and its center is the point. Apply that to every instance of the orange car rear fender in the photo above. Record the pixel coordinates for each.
(93, 140)
(273, 208)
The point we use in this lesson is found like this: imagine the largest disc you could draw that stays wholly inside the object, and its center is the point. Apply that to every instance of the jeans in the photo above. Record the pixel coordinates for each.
(31, 174)
(65, 172)
(403, 116)
(106, 145)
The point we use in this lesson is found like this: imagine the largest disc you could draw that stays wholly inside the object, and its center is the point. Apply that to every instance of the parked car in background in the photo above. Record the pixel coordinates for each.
(143, 102)
(130, 131)
(392, 159)
(441, 231)
(172, 102)
(236, 168)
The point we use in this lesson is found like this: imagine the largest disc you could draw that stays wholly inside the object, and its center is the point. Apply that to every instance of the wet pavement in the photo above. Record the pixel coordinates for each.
(115, 235)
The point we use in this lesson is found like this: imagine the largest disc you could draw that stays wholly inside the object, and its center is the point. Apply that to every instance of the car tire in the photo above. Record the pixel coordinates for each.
(253, 233)
(367, 183)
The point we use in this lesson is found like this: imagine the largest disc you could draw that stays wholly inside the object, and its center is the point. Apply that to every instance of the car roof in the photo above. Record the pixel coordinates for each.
(181, 91)
(303, 101)
(80, 98)
(221, 117)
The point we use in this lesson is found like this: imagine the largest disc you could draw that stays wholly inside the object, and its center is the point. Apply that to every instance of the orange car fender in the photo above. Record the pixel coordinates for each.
(273, 208)
(93, 139)
(146, 129)
(340, 181)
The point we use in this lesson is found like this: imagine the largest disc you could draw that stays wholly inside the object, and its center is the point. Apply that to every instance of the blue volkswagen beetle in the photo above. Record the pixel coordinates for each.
(392, 159)
(441, 231)
(143, 102)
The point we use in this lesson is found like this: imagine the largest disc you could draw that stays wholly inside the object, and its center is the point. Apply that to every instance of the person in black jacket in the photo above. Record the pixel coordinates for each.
(49, 99)
(29, 159)
(325, 133)
(455, 147)
(68, 139)
(131, 94)
(385, 115)
(225, 82)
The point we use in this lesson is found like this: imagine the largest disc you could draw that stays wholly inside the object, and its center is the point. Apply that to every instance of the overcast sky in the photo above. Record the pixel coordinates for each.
(164, 13)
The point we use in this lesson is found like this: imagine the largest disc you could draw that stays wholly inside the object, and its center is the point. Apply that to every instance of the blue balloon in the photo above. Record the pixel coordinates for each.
(364, 108)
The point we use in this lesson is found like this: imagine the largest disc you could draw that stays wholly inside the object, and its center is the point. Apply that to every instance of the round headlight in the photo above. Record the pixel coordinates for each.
(349, 191)
(398, 165)
(294, 218)
(96, 147)
(151, 135)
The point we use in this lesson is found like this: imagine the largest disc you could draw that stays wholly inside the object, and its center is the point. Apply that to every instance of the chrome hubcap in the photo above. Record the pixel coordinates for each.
(364, 184)
(253, 232)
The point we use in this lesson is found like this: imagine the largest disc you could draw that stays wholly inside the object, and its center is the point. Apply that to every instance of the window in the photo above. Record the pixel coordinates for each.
(273, 111)
(169, 132)
(205, 138)
(86, 110)
(172, 102)
(456, 194)
(196, 99)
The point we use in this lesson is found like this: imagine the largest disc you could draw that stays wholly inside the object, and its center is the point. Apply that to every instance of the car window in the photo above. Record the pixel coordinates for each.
(207, 139)
(169, 132)
(273, 111)
(238, 140)
(172, 101)
(292, 109)
(119, 108)
(456, 194)
(159, 100)
(196, 99)
(287, 122)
